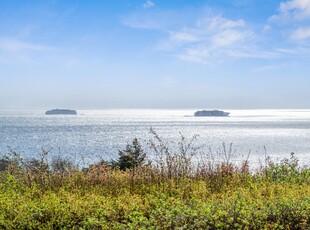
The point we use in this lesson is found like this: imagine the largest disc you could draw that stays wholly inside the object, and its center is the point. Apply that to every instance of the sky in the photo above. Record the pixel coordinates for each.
(238, 54)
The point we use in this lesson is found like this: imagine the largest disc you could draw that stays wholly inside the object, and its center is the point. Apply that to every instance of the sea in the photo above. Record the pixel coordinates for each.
(94, 135)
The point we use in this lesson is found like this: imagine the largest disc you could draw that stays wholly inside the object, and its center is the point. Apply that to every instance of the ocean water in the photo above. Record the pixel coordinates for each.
(99, 134)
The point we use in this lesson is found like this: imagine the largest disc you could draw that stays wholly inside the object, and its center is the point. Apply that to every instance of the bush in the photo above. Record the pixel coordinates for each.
(131, 157)
(170, 193)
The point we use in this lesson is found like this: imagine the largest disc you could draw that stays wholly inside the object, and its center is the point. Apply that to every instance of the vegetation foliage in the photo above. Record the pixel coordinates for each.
(172, 190)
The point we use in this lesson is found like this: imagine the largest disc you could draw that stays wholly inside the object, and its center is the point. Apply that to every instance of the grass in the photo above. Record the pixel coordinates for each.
(170, 192)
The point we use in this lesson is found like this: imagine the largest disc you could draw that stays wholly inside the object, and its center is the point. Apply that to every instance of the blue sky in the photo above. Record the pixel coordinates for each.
(155, 54)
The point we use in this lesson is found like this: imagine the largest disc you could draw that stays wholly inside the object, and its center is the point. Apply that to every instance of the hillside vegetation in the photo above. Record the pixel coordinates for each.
(171, 191)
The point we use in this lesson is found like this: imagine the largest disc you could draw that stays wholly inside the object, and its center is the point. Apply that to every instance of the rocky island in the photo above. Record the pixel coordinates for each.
(61, 112)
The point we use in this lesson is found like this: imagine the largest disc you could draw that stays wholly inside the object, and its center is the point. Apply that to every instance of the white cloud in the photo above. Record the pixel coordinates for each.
(293, 14)
(265, 68)
(14, 50)
(148, 4)
(301, 33)
(224, 23)
(298, 9)
(183, 37)
(15, 46)
(292, 10)
(209, 39)
(196, 55)
(228, 37)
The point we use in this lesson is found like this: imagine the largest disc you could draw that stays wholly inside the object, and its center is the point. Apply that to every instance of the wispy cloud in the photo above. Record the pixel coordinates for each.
(294, 16)
(292, 10)
(208, 38)
(183, 36)
(148, 4)
(266, 68)
(205, 28)
(301, 33)
(17, 51)
(295, 9)
(211, 38)
(15, 46)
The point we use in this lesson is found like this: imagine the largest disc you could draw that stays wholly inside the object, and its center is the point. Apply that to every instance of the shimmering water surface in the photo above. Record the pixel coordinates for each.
(97, 134)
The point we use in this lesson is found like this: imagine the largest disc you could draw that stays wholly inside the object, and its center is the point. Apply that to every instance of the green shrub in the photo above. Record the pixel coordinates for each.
(131, 157)
(169, 193)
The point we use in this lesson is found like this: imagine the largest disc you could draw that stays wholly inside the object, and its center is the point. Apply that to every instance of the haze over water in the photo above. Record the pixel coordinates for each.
(96, 134)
